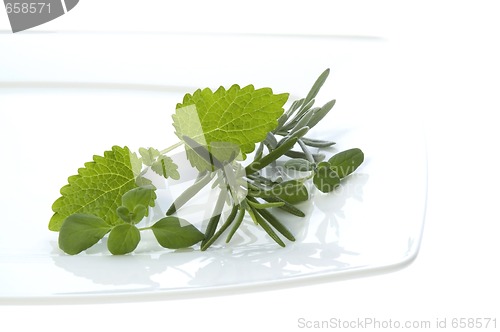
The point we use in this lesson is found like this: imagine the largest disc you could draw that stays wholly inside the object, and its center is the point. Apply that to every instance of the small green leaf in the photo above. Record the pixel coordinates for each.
(124, 214)
(317, 86)
(265, 225)
(260, 206)
(123, 239)
(298, 164)
(325, 178)
(295, 106)
(303, 121)
(135, 216)
(148, 155)
(165, 167)
(140, 211)
(222, 229)
(257, 165)
(271, 141)
(135, 203)
(288, 207)
(346, 162)
(139, 196)
(80, 232)
(277, 224)
(317, 143)
(320, 113)
(237, 222)
(174, 233)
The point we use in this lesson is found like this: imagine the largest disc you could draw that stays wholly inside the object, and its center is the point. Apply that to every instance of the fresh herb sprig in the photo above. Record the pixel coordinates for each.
(112, 195)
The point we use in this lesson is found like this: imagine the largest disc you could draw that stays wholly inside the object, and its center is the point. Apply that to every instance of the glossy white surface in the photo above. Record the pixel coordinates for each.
(56, 116)
(449, 77)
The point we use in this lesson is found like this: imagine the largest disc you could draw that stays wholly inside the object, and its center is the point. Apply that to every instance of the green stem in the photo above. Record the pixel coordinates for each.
(170, 148)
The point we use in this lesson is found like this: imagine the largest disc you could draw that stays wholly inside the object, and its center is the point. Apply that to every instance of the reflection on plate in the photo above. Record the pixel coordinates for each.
(54, 116)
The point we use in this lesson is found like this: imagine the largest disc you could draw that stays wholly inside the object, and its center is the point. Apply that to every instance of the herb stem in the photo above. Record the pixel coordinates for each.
(172, 147)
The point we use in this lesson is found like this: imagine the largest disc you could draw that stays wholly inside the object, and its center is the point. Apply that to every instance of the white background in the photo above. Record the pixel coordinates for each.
(453, 55)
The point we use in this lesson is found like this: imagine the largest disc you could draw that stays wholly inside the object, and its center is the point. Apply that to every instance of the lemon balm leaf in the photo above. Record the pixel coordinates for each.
(98, 187)
(227, 120)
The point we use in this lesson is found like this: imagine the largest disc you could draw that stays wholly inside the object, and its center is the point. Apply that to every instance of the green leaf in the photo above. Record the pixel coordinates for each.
(288, 207)
(325, 178)
(269, 217)
(124, 214)
(237, 222)
(165, 167)
(225, 119)
(257, 165)
(316, 86)
(140, 211)
(98, 187)
(265, 226)
(174, 233)
(148, 155)
(222, 229)
(261, 206)
(134, 216)
(81, 231)
(123, 239)
(320, 113)
(317, 143)
(346, 162)
(144, 196)
(298, 164)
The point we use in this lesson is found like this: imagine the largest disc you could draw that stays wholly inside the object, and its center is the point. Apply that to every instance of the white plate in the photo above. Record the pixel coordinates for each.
(65, 97)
